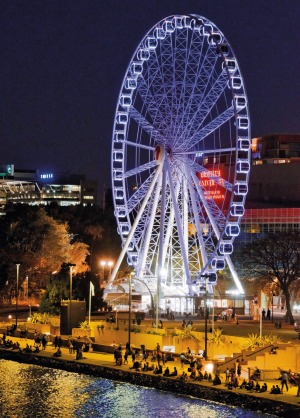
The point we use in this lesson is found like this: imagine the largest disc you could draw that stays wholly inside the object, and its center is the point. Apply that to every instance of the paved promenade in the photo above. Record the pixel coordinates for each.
(107, 360)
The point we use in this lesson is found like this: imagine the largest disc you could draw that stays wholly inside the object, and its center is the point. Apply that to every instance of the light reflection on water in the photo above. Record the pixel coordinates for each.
(31, 391)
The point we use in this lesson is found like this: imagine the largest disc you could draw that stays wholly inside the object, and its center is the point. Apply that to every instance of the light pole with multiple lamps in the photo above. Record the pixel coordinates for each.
(104, 263)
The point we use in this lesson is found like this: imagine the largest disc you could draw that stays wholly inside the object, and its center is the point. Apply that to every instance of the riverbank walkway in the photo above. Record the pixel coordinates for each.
(107, 360)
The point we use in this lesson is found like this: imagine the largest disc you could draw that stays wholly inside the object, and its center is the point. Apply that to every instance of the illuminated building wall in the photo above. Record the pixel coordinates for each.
(34, 188)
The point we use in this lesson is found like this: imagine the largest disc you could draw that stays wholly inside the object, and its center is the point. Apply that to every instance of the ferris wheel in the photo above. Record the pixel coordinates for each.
(180, 155)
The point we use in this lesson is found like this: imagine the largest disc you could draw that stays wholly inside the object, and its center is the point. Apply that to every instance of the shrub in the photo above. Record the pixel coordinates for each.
(40, 318)
(217, 337)
(84, 325)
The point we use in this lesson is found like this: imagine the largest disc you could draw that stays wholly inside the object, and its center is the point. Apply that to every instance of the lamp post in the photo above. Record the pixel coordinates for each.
(71, 279)
(110, 264)
(272, 306)
(129, 307)
(103, 264)
(71, 294)
(17, 263)
(27, 284)
(205, 327)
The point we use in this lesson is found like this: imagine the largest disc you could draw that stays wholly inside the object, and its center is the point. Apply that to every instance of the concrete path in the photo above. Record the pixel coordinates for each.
(107, 360)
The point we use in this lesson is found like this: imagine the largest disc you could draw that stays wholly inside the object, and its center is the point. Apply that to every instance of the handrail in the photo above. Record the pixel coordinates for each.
(232, 359)
(258, 351)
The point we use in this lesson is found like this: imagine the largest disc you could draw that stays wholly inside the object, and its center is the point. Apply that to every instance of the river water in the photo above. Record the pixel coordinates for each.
(28, 391)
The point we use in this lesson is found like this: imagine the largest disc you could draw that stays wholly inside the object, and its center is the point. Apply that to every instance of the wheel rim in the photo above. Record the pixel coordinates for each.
(182, 118)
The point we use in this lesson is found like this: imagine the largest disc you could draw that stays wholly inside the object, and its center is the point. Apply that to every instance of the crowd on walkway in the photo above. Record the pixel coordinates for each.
(157, 362)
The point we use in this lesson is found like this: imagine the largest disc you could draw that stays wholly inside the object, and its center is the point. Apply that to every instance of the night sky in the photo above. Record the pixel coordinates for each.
(63, 62)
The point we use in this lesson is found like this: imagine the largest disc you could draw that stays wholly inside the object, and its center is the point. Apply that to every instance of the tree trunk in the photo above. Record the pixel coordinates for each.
(289, 313)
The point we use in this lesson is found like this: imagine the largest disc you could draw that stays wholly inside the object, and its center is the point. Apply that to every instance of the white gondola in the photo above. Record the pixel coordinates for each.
(197, 24)
(151, 42)
(218, 263)
(136, 68)
(244, 144)
(118, 156)
(133, 257)
(124, 228)
(240, 189)
(240, 102)
(168, 26)
(226, 247)
(125, 100)
(120, 213)
(236, 82)
(243, 122)
(178, 22)
(232, 230)
(119, 193)
(131, 246)
(119, 136)
(214, 38)
(242, 166)
(130, 83)
(117, 175)
(237, 210)
(143, 54)
(159, 33)
(223, 50)
(230, 65)
(122, 118)
(187, 22)
(207, 30)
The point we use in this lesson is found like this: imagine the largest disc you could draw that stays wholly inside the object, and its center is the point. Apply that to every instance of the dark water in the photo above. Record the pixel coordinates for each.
(31, 391)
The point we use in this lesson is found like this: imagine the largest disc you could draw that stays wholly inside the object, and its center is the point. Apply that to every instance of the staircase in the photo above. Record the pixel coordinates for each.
(287, 357)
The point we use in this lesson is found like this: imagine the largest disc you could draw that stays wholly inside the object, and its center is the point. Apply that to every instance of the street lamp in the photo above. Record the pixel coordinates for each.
(71, 293)
(27, 284)
(129, 306)
(103, 264)
(71, 278)
(17, 263)
(110, 264)
(206, 317)
(272, 306)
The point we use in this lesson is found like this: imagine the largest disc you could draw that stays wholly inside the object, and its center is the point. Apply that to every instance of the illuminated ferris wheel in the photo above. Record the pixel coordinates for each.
(180, 154)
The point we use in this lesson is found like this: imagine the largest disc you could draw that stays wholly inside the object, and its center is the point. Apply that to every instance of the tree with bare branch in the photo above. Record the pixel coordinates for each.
(275, 257)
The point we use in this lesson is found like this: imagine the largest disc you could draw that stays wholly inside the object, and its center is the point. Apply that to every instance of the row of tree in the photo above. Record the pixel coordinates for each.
(43, 240)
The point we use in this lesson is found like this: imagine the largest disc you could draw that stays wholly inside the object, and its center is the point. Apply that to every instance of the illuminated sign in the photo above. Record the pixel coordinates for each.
(206, 181)
(47, 176)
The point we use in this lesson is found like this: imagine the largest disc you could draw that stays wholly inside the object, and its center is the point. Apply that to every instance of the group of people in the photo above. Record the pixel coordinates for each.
(266, 315)
(7, 343)
(40, 341)
(253, 387)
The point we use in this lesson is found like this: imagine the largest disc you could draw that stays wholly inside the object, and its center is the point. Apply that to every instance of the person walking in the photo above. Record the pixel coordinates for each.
(284, 381)
(227, 375)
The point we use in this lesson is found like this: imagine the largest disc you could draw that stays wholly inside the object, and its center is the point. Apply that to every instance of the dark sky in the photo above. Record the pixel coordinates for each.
(62, 64)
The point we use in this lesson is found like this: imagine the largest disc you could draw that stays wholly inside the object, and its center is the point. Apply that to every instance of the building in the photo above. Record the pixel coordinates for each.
(273, 200)
(275, 172)
(42, 188)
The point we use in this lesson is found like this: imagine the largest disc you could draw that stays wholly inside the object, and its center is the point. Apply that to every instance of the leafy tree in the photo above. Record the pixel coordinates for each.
(40, 243)
(276, 258)
(57, 290)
